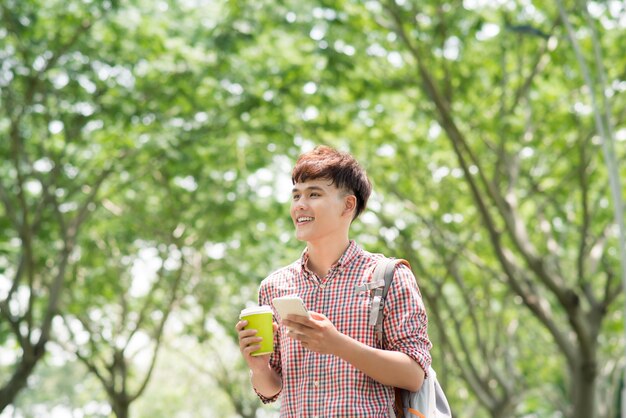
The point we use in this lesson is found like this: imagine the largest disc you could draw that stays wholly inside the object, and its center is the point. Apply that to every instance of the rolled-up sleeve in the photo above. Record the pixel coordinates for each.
(405, 324)
(265, 399)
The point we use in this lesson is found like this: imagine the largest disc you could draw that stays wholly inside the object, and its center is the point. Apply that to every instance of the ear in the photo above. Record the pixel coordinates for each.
(349, 204)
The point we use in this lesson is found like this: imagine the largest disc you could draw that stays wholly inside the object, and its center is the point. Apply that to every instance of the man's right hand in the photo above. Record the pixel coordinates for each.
(249, 343)
(265, 379)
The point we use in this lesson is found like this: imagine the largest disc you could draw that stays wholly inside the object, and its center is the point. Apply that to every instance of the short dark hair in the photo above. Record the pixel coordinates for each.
(340, 168)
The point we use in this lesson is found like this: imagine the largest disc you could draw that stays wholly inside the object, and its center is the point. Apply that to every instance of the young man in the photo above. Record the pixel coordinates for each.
(330, 365)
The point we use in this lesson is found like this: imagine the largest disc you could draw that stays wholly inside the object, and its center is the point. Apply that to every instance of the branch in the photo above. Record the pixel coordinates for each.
(479, 387)
(85, 360)
(500, 151)
(22, 225)
(516, 279)
(14, 324)
(548, 196)
(608, 136)
(504, 383)
(35, 81)
(541, 60)
(443, 32)
(613, 286)
(603, 124)
(148, 301)
(8, 207)
(460, 336)
(583, 180)
(450, 264)
(159, 331)
(451, 267)
(17, 278)
(72, 232)
(514, 225)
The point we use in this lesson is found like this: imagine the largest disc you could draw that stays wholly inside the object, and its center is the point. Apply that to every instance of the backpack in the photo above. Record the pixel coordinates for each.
(429, 401)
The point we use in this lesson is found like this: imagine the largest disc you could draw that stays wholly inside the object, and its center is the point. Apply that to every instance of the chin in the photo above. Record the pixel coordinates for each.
(306, 236)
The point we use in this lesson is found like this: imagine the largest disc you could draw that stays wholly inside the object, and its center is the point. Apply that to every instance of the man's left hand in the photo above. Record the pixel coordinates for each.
(316, 333)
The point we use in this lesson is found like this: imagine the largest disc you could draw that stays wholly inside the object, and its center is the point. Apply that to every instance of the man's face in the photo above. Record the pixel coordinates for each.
(319, 210)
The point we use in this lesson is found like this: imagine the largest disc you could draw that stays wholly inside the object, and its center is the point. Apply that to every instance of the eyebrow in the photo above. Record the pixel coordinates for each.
(294, 190)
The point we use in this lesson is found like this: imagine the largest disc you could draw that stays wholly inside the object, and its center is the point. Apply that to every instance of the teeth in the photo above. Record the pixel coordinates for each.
(305, 219)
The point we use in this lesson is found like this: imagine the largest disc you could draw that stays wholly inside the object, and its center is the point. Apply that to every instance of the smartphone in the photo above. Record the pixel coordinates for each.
(290, 305)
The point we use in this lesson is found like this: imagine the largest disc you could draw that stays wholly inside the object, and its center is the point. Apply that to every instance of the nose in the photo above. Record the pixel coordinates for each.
(300, 204)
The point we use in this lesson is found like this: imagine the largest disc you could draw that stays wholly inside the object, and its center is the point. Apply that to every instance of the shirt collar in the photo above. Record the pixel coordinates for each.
(349, 255)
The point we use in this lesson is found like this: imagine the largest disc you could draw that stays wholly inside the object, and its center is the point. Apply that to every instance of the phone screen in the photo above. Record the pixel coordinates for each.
(290, 305)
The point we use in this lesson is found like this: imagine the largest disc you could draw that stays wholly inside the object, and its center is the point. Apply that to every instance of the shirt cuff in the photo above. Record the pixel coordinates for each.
(421, 357)
(265, 399)
(424, 363)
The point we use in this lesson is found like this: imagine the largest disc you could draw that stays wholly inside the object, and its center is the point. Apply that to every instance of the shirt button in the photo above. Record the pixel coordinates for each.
(316, 384)
(322, 286)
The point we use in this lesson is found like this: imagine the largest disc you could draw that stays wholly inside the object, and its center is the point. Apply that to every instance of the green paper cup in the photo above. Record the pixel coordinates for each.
(260, 318)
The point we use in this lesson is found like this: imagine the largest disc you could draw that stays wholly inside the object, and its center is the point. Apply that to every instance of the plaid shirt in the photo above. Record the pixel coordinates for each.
(317, 385)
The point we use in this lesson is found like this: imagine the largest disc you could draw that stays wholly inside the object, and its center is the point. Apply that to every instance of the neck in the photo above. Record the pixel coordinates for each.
(323, 255)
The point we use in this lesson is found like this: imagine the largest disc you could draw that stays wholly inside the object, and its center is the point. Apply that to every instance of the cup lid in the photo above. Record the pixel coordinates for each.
(255, 310)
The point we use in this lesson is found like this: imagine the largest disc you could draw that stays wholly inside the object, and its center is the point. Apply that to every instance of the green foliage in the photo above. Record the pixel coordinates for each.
(141, 140)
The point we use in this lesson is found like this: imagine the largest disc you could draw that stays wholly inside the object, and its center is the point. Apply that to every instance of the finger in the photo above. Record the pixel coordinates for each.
(240, 325)
(295, 335)
(251, 339)
(247, 333)
(299, 323)
(294, 327)
(308, 345)
(251, 348)
(298, 319)
(250, 342)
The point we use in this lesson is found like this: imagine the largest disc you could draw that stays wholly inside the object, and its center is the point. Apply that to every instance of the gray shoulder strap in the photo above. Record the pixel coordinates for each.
(383, 272)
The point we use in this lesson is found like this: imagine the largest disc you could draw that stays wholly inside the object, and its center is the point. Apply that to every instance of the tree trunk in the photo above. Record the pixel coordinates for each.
(504, 410)
(583, 387)
(20, 377)
(120, 405)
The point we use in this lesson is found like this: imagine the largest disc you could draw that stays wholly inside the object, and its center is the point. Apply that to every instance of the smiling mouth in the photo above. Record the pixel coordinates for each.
(304, 219)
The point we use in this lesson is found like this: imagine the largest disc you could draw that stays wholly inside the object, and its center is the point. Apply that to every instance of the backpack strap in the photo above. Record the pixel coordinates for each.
(383, 273)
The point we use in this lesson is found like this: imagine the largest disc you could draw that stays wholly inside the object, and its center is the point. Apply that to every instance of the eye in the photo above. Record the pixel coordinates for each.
(295, 197)
(315, 194)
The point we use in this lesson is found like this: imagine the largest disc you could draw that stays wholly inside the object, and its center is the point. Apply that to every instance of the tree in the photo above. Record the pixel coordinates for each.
(533, 254)
(107, 338)
(480, 141)
(509, 169)
(50, 182)
(68, 144)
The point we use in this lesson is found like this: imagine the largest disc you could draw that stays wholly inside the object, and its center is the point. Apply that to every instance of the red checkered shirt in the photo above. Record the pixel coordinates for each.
(317, 385)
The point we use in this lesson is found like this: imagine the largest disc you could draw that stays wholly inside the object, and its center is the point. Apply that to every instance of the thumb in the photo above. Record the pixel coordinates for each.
(317, 315)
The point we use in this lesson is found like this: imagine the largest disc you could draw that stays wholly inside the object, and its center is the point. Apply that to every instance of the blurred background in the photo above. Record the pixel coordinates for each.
(145, 157)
